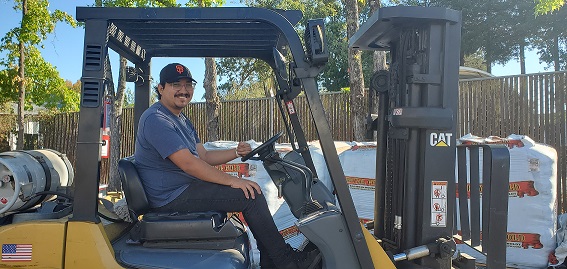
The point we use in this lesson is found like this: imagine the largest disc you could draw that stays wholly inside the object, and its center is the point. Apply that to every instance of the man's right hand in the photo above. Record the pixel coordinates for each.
(247, 186)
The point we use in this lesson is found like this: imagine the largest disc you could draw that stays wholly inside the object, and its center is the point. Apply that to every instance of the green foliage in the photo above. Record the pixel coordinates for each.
(256, 89)
(244, 78)
(38, 23)
(475, 60)
(43, 83)
(547, 6)
(498, 30)
(8, 86)
(7, 125)
(44, 86)
(205, 3)
(254, 78)
(335, 74)
(485, 27)
(136, 3)
(551, 39)
(310, 8)
(128, 98)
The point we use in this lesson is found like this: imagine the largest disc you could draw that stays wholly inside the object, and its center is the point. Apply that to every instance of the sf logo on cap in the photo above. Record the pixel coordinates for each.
(179, 68)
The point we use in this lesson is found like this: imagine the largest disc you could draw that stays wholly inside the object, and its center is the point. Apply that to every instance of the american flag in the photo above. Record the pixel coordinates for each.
(16, 252)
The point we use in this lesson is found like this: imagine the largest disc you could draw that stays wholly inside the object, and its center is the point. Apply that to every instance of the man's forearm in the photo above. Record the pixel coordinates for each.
(216, 157)
(198, 168)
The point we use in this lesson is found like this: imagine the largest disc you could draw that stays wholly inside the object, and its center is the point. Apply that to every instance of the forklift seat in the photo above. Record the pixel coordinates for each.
(204, 230)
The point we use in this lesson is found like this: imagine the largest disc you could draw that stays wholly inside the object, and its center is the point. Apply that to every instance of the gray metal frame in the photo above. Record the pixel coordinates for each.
(140, 34)
(418, 104)
(423, 91)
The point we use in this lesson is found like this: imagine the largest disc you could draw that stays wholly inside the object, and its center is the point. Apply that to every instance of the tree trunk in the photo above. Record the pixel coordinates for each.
(379, 57)
(21, 82)
(522, 58)
(357, 95)
(555, 53)
(116, 128)
(212, 99)
(379, 63)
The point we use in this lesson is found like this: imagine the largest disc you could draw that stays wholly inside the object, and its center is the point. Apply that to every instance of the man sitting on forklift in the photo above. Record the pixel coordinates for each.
(178, 175)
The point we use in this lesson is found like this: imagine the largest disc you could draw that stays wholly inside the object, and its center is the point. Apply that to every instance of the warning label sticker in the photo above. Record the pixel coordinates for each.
(439, 204)
(290, 107)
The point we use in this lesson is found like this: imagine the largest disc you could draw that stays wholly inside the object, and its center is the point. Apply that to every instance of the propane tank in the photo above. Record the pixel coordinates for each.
(23, 174)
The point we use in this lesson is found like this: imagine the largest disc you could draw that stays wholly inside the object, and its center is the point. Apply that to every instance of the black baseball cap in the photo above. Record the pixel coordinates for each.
(173, 72)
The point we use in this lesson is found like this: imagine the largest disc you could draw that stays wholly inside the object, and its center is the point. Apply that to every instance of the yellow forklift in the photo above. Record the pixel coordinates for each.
(47, 222)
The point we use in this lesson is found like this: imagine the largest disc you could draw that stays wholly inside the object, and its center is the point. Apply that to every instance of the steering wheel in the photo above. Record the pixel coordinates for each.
(262, 147)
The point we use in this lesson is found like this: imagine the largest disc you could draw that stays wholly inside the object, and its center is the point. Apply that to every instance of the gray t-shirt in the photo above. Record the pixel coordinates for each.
(160, 134)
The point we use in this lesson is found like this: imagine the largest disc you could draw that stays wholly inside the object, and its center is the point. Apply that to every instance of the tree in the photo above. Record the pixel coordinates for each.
(76, 87)
(25, 69)
(212, 99)
(379, 57)
(522, 25)
(334, 76)
(245, 78)
(475, 60)
(502, 30)
(260, 76)
(128, 99)
(551, 39)
(210, 82)
(487, 27)
(345, 66)
(546, 6)
(357, 94)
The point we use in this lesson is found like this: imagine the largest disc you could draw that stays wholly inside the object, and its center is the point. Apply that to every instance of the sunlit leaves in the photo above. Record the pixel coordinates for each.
(255, 77)
(546, 6)
(244, 78)
(136, 3)
(44, 86)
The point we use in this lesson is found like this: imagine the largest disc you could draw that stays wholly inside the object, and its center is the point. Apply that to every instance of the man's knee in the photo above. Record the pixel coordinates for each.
(259, 200)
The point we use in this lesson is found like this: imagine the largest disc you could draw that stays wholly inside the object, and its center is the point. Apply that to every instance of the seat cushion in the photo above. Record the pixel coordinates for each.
(234, 257)
(211, 225)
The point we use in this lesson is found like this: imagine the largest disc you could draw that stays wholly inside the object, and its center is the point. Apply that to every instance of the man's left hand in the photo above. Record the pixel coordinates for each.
(249, 187)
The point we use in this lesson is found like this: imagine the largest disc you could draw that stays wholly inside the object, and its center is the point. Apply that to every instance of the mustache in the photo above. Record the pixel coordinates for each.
(186, 95)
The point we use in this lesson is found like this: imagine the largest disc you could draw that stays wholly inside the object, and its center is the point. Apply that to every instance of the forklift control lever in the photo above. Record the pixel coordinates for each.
(280, 188)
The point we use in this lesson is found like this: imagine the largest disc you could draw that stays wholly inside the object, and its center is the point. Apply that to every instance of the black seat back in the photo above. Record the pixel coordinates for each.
(132, 186)
(203, 230)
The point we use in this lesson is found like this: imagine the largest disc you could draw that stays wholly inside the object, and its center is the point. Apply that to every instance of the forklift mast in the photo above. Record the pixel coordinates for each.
(416, 161)
(415, 124)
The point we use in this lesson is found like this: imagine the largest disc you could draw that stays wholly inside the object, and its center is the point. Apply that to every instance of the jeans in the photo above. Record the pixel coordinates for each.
(204, 196)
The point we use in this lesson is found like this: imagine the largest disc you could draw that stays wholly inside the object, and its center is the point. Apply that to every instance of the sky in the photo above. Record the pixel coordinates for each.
(64, 48)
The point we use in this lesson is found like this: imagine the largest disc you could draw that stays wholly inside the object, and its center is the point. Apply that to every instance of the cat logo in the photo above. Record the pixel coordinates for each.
(440, 139)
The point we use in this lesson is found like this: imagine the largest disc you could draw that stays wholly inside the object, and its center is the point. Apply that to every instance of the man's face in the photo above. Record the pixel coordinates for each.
(177, 95)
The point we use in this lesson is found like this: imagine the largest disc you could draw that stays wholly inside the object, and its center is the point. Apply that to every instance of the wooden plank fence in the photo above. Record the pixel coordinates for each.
(534, 105)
